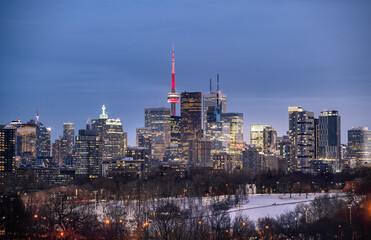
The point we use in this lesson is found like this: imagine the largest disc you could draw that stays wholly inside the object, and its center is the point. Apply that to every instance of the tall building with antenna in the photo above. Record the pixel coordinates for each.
(214, 104)
(173, 97)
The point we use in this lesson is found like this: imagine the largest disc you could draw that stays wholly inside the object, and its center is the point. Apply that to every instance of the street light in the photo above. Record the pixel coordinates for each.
(350, 214)
(95, 202)
(306, 214)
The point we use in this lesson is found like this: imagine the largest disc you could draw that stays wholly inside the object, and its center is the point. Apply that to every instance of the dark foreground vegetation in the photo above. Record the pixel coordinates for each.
(172, 208)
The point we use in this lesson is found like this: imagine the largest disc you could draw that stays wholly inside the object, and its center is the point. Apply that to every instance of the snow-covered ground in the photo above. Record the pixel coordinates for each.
(257, 206)
(273, 205)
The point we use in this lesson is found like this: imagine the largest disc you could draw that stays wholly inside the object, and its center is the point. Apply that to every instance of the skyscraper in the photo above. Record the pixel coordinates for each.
(26, 142)
(144, 138)
(69, 135)
(329, 138)
(301, 134)
(111, 136)
(220, 135)
(359, 144)
(88, 158)
(214, 104)
(158, 120)
(235, 121)
(7, 150)
(191, 113)
(173, 97)
(42, 141)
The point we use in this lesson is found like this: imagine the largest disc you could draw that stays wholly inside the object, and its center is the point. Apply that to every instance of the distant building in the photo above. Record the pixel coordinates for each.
(252, 159)
(220, 135)
(158, 121)
(26, 142)
(57, 155)
(329, 138)
(273, 163)
(359, 145)
(301, 134)
(235, 121)
(200, 153)
(42, 141)
(111, 136)
(214, 103)
(175, 149)
(285, 149)
(88, 157)
(138, 153)
(263, 137)
(144, 138)
(127, 167)
(69, 136)
(7, 150)
(191, 114)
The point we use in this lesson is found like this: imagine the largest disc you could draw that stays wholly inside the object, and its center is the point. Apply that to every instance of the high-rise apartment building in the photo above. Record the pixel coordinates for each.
(359, 146)
(191, 114)
(301, 134)
(88, 158)
(329, 138)
(7, 150)
(111, 136)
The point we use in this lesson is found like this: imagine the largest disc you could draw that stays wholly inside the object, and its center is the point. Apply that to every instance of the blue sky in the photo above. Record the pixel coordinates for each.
(67, 58)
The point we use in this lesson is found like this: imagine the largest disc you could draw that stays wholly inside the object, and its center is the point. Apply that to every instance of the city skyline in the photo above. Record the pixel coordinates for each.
(49, 66)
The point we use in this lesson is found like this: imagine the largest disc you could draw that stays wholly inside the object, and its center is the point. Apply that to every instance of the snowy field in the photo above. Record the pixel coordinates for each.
(273, 205)
(257, 206)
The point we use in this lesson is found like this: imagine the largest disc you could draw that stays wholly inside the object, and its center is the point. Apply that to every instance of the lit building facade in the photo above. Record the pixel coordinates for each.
(144, 138)
(88, 157)
(235, 121)
(158, 120)
(191, 114)
(263, 137)
(42, 141)
(219, 133)
(213, 102)
(69, 135)
(200, 153)
(111, 136)
(359, 146)
(301, 134)
(329, 146)
(26, 142)
(7, 150)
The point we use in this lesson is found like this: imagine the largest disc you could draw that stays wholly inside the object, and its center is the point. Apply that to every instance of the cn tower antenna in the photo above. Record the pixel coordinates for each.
(173, 97)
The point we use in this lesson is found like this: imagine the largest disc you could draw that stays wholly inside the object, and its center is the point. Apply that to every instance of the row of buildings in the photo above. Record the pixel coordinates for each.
(205, 135)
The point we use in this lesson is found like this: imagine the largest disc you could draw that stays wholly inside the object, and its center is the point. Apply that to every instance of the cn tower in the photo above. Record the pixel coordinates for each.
(173, 96)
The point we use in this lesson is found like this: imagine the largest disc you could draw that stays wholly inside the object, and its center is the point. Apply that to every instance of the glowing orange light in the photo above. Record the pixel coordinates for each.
(121, 221)
(35, 216)
(107, 221)
(243, 224)
(199, 222)
(62, 234)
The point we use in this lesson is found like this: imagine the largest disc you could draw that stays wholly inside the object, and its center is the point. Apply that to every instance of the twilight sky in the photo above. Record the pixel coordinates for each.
(70, 57)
